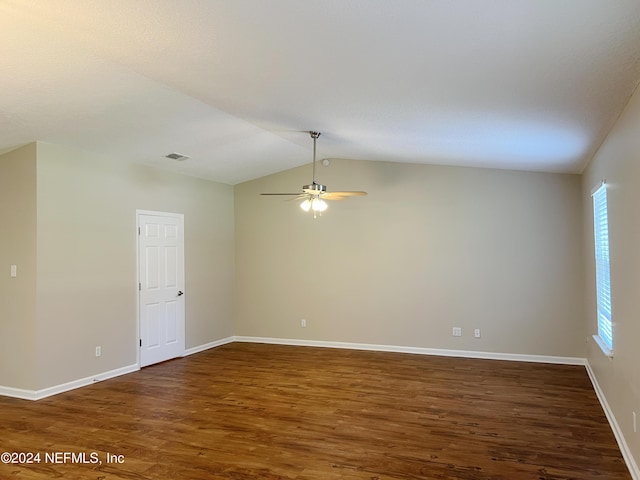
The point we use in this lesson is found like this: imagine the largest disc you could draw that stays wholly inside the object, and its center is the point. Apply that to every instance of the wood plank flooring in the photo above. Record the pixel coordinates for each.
(252, 411)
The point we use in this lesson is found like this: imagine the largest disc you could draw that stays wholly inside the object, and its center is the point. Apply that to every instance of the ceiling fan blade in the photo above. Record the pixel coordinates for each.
(300, 196)
(341, 195)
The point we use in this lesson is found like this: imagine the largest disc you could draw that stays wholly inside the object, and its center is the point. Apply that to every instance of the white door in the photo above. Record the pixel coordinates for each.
(161, 287)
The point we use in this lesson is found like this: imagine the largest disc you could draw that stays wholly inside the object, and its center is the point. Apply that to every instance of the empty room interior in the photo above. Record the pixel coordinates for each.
(340, 239)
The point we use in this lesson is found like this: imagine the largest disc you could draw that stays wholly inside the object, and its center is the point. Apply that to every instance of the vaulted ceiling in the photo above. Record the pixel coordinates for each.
(519, 84)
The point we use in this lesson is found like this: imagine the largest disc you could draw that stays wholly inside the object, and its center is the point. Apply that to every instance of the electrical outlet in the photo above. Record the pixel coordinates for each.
(457, 332)
(476, 333)
(303, 323)
(98, 351)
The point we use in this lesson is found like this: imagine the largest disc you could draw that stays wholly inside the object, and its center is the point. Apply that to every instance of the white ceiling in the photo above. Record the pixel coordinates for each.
(520, 84)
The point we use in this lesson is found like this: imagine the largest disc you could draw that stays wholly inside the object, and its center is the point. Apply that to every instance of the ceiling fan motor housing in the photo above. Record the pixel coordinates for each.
(314, 188)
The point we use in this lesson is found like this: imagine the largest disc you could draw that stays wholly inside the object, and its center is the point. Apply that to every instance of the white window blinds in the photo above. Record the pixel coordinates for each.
(603, 281)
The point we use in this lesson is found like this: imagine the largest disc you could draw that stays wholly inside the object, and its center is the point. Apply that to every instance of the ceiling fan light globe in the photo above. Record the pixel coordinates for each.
(305, 205)
(318, 205)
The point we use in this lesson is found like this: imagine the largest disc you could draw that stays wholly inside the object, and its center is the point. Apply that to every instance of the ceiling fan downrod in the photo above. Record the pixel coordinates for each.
(315, 136)
(314, 188)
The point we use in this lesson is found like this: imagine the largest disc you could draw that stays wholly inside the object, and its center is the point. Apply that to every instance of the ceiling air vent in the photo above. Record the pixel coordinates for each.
(178, 157)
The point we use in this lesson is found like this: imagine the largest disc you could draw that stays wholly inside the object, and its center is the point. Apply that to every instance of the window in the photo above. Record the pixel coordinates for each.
(603, 281)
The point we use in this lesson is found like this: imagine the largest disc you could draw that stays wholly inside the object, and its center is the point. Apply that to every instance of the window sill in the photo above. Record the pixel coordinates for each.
(603, 346)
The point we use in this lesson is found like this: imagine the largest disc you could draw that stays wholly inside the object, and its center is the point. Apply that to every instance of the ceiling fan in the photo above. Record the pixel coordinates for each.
(314, 195)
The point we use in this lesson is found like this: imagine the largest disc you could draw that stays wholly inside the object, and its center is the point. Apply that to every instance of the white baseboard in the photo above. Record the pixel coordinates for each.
(83, 382)
(65, 387)
(624, 448)
(622, 444)
(47, 392)
(617, 432)
(207, 346)
(18, 393)
(416, 350)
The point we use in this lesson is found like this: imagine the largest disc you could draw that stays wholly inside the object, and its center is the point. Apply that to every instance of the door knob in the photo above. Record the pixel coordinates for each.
(180, 293)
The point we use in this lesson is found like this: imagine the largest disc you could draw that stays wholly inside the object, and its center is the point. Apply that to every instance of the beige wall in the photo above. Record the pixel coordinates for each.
(618, 161)
(87, 259)
(430, 248)
(17, 247)
(86, 267)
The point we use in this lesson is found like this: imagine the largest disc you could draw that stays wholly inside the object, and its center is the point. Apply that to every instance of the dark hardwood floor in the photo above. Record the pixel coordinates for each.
(251, 411)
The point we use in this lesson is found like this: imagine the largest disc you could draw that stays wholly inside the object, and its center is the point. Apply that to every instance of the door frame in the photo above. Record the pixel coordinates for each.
(138, 335)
